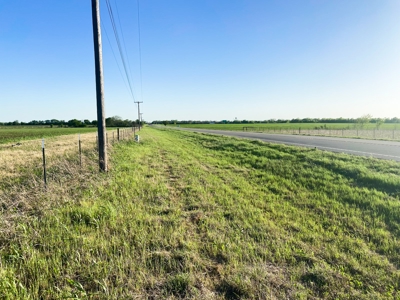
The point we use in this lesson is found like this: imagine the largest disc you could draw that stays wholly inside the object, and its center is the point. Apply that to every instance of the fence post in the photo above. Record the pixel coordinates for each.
(299, 130)
(44, 165)
(118, 134)
(80, 150)
(113, 137)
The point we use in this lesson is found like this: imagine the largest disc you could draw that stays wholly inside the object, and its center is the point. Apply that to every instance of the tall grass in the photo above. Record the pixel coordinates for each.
(193, 216)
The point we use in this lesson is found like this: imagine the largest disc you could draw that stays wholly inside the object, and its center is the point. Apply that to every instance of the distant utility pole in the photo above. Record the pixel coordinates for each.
(101, 122)
(138, 111)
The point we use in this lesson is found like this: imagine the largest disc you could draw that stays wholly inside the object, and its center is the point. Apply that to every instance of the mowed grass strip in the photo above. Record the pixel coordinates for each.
(193, 216)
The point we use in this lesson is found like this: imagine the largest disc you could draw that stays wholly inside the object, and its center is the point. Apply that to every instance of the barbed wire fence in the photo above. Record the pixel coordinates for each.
(381, 134)
(41, 158)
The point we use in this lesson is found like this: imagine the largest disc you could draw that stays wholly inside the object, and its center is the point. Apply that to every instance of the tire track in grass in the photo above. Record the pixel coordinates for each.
(205, 212)
(193, 215)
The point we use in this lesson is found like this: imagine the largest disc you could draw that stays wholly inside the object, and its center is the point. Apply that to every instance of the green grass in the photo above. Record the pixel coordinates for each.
(286, 126)
(14, 134)
(194, 216)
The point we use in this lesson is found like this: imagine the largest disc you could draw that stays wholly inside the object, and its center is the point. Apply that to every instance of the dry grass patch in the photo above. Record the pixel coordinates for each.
(26, 154)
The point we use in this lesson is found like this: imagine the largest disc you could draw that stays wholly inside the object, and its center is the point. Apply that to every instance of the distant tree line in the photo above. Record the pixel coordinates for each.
(118, 122)
(110, 122)
(361, 120)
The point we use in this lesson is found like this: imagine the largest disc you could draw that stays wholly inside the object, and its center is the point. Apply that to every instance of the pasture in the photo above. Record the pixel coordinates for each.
(183, 215)
(18, 133)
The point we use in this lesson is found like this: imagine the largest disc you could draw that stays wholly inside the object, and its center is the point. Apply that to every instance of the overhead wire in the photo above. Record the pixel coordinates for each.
(115, 57)
(112, 19)
(140, 51)
(123, 38)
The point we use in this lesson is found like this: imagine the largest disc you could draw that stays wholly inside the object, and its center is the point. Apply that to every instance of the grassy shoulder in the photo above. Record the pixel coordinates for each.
(186, 215)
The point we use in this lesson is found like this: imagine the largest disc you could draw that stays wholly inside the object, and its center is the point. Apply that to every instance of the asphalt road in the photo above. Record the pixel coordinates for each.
(372, 148)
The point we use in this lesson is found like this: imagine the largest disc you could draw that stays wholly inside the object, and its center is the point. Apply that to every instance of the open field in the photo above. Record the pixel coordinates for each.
(288, 126)
(29, 153)
(18, 134)
(194, 216)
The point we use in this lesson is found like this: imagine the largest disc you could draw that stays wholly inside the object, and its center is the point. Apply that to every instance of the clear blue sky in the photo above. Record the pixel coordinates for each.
(203, 60)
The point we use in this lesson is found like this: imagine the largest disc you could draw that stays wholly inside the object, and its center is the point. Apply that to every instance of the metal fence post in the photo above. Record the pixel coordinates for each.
(80, 150)
(44, 165)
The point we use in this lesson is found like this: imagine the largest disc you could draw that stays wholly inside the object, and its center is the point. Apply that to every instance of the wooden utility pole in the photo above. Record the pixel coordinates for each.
(138, 111)
(101, 122)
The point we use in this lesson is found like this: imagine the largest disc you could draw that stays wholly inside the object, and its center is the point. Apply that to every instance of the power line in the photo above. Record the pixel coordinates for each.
(116, 61)
(140, 50)
(110, 12)
(123, 39)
